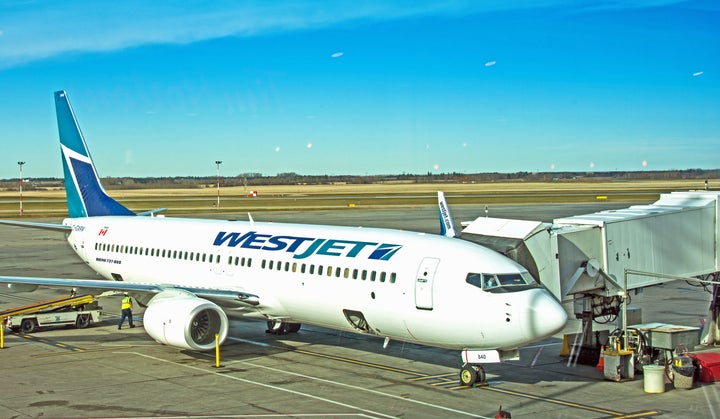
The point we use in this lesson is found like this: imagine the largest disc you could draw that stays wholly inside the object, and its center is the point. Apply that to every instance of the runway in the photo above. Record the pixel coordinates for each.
(105, 372)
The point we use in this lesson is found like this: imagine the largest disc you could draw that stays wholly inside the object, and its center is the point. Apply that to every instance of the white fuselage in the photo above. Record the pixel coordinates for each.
(403, 285)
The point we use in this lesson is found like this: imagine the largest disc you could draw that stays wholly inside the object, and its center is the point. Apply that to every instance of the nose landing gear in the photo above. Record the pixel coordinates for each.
(472, 374)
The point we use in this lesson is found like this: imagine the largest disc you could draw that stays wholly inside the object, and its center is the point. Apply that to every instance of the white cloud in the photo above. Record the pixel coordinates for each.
(698, 73)
(490, 63)
(337, 54)
(37, 30)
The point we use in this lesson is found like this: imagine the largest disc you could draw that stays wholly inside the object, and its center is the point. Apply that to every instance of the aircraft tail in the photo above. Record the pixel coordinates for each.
(85, 194)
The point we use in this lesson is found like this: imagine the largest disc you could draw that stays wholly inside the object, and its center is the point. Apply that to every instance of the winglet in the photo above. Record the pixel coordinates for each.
(85, 194)
(447, 228)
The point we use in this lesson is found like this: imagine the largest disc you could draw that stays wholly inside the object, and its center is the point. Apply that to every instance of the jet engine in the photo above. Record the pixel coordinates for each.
(179, 318)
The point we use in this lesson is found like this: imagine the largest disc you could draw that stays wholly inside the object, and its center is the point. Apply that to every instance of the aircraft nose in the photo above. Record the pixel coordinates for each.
(547, 316)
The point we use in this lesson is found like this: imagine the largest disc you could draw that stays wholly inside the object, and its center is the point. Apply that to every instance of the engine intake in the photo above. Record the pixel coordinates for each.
(181, 319)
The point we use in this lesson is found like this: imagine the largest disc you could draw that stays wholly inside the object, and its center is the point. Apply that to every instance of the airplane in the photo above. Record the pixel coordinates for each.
(190, 274)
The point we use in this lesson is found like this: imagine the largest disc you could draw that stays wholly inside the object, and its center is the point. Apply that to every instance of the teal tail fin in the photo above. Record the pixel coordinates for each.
(85, 194)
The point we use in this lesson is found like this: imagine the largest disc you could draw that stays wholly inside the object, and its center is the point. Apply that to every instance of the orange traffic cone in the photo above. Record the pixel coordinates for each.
(601, 362)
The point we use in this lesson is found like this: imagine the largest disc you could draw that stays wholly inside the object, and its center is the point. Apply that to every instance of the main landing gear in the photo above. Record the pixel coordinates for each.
(472, 374)
(278, 327)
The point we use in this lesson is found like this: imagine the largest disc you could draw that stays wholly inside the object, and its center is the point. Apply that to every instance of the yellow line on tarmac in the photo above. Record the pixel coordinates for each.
(83, 351)
(363, 363)
(430, 377)
(69, 348)
(638, 414)
(555, 401)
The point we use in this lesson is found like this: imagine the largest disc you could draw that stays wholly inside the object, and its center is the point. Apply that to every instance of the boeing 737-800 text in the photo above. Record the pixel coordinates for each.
(398, 285)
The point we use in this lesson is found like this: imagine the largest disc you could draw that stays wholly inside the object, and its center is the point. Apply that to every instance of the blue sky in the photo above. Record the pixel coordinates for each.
(386, 87)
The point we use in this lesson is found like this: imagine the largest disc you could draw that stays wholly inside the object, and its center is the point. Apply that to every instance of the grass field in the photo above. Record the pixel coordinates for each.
(310, 197)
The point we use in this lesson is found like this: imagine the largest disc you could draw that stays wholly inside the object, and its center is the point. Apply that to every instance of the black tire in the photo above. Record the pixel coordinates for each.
(28, 325)
(83, 321)
(282, 328)
(481, 378)
(272, 326)
(468, 376)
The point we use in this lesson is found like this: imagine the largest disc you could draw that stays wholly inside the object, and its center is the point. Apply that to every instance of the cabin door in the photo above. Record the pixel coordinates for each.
(424, 283)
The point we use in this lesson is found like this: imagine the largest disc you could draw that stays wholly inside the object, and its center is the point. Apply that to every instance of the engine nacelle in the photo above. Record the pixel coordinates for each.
(181, 319)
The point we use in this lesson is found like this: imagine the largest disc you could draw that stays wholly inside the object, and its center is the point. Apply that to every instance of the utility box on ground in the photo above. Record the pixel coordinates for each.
(619, 365)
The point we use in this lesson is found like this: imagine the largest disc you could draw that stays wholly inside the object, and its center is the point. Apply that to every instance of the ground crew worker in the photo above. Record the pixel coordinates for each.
(126, 307)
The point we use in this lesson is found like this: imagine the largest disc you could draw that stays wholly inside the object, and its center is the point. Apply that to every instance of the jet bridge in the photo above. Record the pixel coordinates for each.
(586, 258)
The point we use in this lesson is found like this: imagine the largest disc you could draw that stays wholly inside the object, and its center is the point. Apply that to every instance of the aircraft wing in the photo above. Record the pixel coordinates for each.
(225, 298)
(44, 226)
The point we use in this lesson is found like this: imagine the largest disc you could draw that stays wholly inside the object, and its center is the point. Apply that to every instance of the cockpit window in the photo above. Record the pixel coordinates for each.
(491, 281)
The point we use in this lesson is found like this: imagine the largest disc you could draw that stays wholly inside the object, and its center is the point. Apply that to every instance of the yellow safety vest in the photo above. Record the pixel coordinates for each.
(126, 303)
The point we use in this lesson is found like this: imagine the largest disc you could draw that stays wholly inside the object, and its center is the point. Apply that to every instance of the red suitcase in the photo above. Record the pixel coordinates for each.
(709, 363)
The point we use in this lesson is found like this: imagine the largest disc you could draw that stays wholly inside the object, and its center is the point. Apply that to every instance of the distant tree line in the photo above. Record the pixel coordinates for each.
(291, 178)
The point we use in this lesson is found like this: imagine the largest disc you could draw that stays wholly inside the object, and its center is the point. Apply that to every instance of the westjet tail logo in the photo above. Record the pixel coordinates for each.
(302, 247)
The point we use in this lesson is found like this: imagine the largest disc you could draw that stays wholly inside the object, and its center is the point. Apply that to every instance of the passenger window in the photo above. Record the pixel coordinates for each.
(393, 277)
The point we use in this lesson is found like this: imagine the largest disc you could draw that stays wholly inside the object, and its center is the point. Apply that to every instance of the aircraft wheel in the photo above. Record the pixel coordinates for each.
(481, 375)
(28, 325)
(282, 328)
(468, 375)
(83, 321)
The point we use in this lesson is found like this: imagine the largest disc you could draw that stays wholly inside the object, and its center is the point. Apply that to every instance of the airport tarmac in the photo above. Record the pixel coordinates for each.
(105, 372)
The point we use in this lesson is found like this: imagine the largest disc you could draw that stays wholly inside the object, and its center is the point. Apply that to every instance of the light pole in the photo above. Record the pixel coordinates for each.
(217, 163)
(20, 163)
